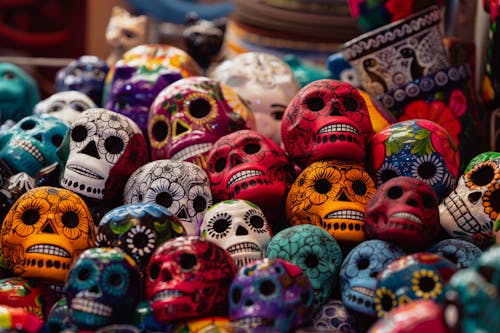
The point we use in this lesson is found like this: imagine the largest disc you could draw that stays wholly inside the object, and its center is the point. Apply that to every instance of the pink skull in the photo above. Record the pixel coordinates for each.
(327, 119)
(188, 116)
(248, 165)
(404, 210)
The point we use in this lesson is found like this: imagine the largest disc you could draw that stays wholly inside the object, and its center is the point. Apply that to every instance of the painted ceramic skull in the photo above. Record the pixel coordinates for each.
(270, 295)
(239, 227)
(315, 252)
(180, 186)
(332, 195)
(248, 165)
(358, 274)
(190, 115)
(138, 229)
(32, 143)
(404, 210)
(461, 252)
(44, 232)
(416, 148)
(327, 119)
(102, 288)
(265, 82)
(65, 105)
(334, 316)
(105, 149)
(85, 74)
(188, 277)
(470, 211)
(421, 275)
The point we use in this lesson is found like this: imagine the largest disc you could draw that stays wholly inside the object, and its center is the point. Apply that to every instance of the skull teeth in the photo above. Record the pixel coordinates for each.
(333, 128)
(461, 213)
(347, 214)
(48, 249)
(243, 175)
(30, 148)
(365, 291)
(243, 247)
(166, 294)
(407, 216)
(83, 171)
(191, 151)
(252, 322)
(89, 306)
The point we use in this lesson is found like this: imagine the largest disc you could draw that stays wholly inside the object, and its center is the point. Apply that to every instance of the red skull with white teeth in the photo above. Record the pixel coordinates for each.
(327, 119)
(404, 210)
(248, 165)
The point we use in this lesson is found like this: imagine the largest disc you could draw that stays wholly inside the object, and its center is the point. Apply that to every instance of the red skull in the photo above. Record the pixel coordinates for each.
(188, 277)
(326, 120)
(248, 165)
(404, 210)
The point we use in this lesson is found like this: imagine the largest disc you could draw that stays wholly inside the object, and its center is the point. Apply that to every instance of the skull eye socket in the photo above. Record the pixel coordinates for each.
(56, 106)
(236, 295)
(79, 133)
(267, 287)
(154, 271)
(315, 103)
(199, 204)
(30, 216)
(70, 219)
(220, 164)
(311, 260)
(199, 108)
(351, 104)
(482, 176)
(188, 261)
(113, 145)
(395, 192)
(322, 186)
(251, 148)
(359, 187)
(79, 106)
(160, 131)
(257, 221)
(164, 199)
(129, 34)
(115, 280)
(9, 75)
(56, 140)
(428, 201)
(27, 125)
(221, 225)
(83, 274)
(363, 263)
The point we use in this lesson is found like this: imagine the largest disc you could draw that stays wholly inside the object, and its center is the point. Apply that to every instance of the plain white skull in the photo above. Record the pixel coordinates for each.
(239, 227)
(65, 105)
(180, 186)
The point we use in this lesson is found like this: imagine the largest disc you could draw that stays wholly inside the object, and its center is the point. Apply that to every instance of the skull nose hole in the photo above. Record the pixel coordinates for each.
(166, 276)
(38, 137)
(474, 197)
(343, 197)
(335, 111)
(412, 202)
(248, 302)
(182, 214)
(236, 160)
(180, 129)
(240, 231)
(373, 274)
(91, 150)
(48, 229)
(94, 289)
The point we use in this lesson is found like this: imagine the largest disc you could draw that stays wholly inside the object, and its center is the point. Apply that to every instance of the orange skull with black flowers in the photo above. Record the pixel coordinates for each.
(45, 230)
(332, 195)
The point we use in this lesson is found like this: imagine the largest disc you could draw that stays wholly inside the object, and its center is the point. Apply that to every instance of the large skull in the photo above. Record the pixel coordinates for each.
(327, 119)
(239, 227)
(404, 210)
(270, 295)
(332, 195)
(32, 143)
(248, 165)
(188, 277)
(470, 211)
(358, 274)
(105, 149)
(181, 187)
(314, 251)
(103, 287)
(45, 231)
(65, 105)
(188, 116)
(266, 83)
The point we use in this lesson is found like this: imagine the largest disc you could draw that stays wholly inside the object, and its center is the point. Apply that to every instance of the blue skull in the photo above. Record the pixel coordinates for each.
(314, 251)
(358, 274)
(459, 251)
(32, 143)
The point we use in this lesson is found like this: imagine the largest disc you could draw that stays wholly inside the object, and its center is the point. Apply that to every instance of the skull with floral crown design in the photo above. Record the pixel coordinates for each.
(180, 186)
(105, 149)
(190, 115)
(327, 119)
(44, 232)
(239, 227)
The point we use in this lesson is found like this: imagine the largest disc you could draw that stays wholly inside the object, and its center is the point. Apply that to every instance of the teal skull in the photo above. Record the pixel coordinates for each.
(32, 143)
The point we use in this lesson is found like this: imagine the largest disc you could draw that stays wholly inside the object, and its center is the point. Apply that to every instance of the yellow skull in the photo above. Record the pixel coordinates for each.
(44, 232)
(332, 195)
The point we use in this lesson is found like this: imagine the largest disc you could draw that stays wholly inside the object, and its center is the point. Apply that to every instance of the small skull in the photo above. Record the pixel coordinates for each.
(65, 105)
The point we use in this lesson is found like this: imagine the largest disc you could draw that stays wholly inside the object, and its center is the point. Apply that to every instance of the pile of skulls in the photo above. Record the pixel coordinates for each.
(235, 202)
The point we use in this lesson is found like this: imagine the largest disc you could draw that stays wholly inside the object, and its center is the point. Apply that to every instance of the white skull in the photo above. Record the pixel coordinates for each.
(265, 82)
(105, 149)
(65, 105)
(239, 227)
(470, 211)
(180, 186)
